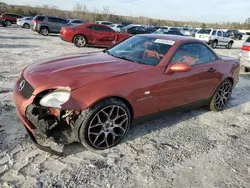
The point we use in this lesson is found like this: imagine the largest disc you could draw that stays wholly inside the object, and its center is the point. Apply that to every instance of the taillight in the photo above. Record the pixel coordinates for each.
(245, 48)
(35, 21)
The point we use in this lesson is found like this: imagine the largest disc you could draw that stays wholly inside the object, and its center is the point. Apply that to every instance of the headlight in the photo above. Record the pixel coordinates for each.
(55, 99)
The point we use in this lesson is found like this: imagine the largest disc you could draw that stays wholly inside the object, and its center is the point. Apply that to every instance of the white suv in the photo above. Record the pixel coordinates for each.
(215, 37)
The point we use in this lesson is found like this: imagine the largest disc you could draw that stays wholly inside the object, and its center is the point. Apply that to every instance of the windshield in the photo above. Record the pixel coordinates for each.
(205, 31)
(142, 49)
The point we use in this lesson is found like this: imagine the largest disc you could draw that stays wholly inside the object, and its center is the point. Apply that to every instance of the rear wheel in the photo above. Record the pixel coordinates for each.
(229, 45)
(104, 125)
(221, 96)
(44, 31)
(79, 41)
(214, 44)
(26, 26)
(8, 23)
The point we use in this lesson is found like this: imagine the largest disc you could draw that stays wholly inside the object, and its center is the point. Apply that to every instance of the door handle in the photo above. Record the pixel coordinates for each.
(211, 70)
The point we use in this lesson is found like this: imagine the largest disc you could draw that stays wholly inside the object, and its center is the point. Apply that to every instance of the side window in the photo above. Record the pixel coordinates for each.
(61, 21)
(225, 34)
(193, 54)
(214, 32)
(102, 28)
(219, 33)
(51, 19)
(91, 27)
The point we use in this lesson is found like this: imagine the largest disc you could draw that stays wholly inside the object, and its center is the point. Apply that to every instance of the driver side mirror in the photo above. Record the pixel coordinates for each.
(179, 67)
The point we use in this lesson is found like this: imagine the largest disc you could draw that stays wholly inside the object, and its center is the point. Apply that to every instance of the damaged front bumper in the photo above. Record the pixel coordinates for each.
(45, 124)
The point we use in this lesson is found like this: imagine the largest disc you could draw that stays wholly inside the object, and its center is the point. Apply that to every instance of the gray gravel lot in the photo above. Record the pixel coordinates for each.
(197, 148)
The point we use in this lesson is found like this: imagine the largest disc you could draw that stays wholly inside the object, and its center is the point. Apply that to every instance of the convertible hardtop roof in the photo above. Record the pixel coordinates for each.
(169, 37)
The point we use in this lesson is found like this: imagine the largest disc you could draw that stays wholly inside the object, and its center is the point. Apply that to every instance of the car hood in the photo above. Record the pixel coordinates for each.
(78, 71)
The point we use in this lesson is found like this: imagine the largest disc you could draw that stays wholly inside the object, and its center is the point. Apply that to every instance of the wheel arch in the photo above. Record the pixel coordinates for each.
(230, 79)
(44, 27)
(125, 101)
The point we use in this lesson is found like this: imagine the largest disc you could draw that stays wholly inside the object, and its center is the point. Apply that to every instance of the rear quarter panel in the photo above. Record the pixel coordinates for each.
(228, 68)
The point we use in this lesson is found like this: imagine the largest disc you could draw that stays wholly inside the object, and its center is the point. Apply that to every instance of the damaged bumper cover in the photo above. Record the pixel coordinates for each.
(46, 124)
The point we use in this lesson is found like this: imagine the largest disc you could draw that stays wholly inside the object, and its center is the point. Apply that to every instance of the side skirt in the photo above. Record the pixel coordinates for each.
(161, 114)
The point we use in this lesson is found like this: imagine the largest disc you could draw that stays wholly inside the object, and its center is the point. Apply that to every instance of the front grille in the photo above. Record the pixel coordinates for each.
(25, 88)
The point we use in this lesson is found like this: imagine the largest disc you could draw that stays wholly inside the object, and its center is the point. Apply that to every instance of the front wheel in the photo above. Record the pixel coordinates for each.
(104, 125)
(79, 41)
(221, 96)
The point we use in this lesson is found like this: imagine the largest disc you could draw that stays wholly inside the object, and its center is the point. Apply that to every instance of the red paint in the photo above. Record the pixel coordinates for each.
(94, 37)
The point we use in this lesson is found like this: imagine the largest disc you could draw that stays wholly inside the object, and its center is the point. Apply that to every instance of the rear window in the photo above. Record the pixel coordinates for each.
(248, 40)
(39, 18)
(205, 31)
(214, 32)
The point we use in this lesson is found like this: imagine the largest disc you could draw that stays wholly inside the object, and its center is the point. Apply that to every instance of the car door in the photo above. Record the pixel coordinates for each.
(103, 35)
(182, 88)
(226, 38)
(220, 38)
(53, 24)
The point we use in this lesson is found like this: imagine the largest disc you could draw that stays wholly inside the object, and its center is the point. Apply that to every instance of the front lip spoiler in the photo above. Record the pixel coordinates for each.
(43, 148)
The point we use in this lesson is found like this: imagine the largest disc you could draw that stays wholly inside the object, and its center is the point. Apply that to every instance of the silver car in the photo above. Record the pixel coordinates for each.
(24, 22)
(48, 24)
(245, 54)
(76, 22)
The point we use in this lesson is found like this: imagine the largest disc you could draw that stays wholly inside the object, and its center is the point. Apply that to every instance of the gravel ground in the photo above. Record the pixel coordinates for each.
(197, 148)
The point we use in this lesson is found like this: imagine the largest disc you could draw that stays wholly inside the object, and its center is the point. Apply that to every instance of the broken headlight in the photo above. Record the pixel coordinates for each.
(55, 99)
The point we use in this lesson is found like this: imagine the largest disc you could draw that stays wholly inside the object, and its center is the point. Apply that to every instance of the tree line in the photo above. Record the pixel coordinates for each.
(82, 12)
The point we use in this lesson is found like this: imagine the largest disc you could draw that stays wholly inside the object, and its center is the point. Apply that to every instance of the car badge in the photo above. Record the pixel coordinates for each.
(21, 85)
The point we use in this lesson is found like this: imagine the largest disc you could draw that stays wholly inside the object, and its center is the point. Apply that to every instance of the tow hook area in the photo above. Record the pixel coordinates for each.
(52, 125)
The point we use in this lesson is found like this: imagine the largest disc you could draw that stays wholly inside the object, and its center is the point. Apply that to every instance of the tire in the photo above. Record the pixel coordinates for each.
(8, 23)
(80, 41)
(26, 26)
(214, 44)
(229, 45)
(100, 137)
(44, 31)
(214, 104)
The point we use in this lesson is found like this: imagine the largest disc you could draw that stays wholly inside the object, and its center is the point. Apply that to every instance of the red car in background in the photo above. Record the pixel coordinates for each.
(92, 34)
(10, 18)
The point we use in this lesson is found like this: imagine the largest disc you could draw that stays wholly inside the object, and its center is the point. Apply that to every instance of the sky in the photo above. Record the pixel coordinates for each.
(183, 10)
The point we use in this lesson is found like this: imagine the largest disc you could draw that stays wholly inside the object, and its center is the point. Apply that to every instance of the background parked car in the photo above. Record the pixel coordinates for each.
(171, 32)
(76, 22)
(10, 18)
(47, 24)
(185, 31)
(132, 29)
(104, 23)
(234, 34)
(117, 27)
(214, 38)
(174, 29)
(193, 32)
(24, 22)
(92, 34)
(245, 55)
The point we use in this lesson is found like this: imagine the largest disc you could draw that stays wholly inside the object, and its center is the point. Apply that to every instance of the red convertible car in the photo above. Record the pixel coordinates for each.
(94, 98)
(92, 34)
